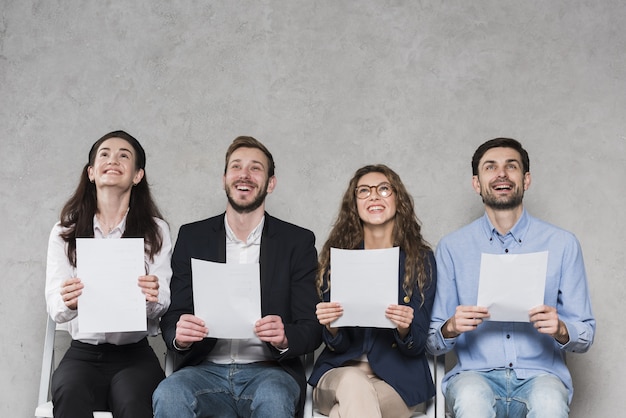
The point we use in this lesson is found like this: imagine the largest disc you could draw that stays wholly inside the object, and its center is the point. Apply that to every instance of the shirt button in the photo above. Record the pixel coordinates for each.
(510, 364)
(506, 251)
(508, 336)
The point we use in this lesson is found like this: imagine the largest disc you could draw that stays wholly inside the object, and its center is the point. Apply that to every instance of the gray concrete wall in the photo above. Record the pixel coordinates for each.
(328, 86)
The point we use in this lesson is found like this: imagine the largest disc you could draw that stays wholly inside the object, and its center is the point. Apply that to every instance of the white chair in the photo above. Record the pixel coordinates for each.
(44, 404)
(434, 408)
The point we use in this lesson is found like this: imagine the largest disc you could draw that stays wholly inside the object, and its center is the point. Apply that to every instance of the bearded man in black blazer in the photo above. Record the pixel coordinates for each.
(263, 376)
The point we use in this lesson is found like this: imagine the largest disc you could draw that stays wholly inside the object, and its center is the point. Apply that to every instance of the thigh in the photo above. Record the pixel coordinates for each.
(542, 396)
(391, 403)
(202, 390)
(265, 391)
(346, 391)
(79, 383)
(471, 394)
(130, 393)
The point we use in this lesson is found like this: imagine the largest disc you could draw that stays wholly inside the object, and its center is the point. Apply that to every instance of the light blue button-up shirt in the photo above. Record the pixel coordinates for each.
(513, 345)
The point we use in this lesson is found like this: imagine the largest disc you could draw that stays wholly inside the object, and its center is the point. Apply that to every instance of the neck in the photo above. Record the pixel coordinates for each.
(243, 223)
(504, 220)
(112, 207)
(378, 236)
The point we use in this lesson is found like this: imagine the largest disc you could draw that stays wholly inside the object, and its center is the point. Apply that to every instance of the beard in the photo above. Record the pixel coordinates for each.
(503, 203)
(249, 206)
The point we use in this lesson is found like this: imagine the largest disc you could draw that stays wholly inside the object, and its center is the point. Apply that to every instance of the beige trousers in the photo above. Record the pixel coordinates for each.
(354, 391)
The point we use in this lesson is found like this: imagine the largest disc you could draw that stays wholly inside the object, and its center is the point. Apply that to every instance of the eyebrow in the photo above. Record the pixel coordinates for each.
(109, 149)
(510, 160)
(238, 160)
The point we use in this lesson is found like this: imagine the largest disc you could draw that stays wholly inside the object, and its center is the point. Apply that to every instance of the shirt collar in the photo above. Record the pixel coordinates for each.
(121, 227)
(253, 238)
(518, 232)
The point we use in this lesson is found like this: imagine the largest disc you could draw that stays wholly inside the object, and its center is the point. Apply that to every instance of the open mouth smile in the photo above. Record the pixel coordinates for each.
(502, 187)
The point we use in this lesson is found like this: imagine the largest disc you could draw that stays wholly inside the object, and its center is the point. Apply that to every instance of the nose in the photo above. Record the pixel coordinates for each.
(374, 193)
(244, 173)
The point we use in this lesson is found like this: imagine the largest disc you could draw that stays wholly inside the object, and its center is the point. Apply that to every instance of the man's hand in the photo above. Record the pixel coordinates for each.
(190, 329)
(466, 318)
(546, 320)
(270, 329)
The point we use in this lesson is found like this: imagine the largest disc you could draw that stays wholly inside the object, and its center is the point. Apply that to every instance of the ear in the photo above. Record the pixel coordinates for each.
(476, 184)
(138, 176)
(527, 180)
(271, 184)
(90, 174)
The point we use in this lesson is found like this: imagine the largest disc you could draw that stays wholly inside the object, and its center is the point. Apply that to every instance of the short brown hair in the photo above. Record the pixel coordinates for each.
(250, 142)
(500, 143)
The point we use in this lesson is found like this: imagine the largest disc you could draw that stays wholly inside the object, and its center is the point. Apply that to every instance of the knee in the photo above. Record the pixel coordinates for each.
(169, 392)
(276, 397)
(71, 387)
(353, 380)
(548, 397)
(469, 394)
(283, 389)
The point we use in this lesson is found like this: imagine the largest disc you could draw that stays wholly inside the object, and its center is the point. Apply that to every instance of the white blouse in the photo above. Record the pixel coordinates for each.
(59, 269)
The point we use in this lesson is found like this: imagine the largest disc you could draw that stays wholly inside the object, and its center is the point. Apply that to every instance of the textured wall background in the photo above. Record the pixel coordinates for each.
(328, 86)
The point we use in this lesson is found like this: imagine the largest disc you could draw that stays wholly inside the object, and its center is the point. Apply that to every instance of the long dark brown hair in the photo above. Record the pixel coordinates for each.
(78, 212)
(347, 233)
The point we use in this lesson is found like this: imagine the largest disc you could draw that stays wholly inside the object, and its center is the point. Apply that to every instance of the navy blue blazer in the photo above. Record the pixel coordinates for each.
(400, 362)
(288, 263)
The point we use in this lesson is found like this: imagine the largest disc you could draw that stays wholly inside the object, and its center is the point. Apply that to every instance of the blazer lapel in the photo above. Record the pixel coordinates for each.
(221, 244)
(267, 259)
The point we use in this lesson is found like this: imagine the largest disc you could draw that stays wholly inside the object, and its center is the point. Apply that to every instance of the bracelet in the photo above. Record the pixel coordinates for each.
(177, 347)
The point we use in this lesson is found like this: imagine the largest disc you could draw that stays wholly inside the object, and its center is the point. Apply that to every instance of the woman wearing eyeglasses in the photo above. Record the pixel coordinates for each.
(377, 372)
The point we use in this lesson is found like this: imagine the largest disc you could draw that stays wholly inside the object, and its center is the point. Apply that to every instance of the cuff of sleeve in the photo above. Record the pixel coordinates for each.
(407, 339)
(177, 347)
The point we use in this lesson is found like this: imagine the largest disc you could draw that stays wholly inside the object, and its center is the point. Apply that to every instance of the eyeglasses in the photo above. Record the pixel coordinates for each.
(364, 191)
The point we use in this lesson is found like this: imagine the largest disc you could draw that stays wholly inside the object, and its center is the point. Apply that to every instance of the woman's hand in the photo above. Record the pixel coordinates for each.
(150, 287)
(327, 313)
(71, 289)
(401, 316)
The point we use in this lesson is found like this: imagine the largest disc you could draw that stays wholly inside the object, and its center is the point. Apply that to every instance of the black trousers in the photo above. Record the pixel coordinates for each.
(106, 377)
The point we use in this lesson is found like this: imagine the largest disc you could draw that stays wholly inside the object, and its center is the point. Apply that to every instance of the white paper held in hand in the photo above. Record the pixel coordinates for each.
(112, 300)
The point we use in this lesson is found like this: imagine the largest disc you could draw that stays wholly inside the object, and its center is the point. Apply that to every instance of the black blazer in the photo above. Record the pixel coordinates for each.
(288, 263)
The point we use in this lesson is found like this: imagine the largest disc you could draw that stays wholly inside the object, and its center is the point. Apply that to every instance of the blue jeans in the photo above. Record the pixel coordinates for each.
(227, 390)
(499, 393)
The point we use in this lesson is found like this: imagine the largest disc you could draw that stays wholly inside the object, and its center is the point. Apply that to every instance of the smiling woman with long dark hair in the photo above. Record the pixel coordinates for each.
(108, 371)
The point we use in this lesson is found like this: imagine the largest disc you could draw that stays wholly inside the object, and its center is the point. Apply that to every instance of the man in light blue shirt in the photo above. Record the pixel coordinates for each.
(509, 369)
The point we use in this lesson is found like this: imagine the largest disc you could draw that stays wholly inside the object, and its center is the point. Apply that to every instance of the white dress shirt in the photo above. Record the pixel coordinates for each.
(245, 350)
(59, 269)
